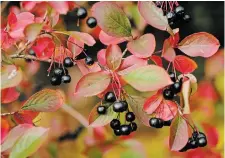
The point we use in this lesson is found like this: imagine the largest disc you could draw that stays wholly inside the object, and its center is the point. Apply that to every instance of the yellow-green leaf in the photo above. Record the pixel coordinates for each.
(32, 31)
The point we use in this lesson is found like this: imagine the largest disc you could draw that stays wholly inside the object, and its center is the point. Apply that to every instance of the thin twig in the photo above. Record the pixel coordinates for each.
(23, 56)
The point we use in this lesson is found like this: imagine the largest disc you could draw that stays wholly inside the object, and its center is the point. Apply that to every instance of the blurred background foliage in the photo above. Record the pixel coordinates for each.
(207, 104)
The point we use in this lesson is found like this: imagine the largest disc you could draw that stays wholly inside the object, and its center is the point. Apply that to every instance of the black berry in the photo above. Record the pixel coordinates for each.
(68, 62)
(66, 78)
(168, 94)
(156, 122)
(187, 18)
(118, 106)
(55, 80)
(31, 52)
(193, 143)
(130, 116)
(81, 13)
(89, 61)
(115, 124)
(171, 16)
(58, 72)
(110, 97)
(101, 110)
(179, 10)
(167, 123)
(176, 87)
(133, 126)
(172, 76)
(117, 132)
(125, 129)
(202, 142)
(91, 22)
(125, 105)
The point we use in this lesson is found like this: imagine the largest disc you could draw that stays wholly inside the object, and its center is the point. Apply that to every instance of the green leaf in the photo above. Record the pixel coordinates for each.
(32, 31)
(148, 78)
(96, 120)
(11, 76)
(131, 154)
(113, 57)
(6, 60)
(47, 100)
(178, 133)
(92, 84)
(29, 142)
(111, 19)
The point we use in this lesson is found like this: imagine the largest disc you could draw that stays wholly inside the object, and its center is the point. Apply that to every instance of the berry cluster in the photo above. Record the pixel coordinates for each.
(172, 90)
(82, 14)
(198, 139)
(159, 123)
(119, 107)
(71, 135)
(177, 16)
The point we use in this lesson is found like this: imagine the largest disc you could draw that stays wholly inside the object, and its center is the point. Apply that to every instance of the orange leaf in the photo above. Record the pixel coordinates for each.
(184, 64)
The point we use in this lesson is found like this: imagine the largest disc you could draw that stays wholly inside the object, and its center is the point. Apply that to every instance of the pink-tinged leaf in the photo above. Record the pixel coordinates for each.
(142, 47)
(113, 57)
(25, 116)
(28, 5)
(85, 69)
(167, 110)
(11, 76)
(96, 120)
(157, 60)
(29, 142)
(92, 84)
(152, 103)
(199, 44)
(111, 19)
(148, 78)
(12, 19)
(178, 133)
(130, 63)
(153, 15)
(6, 40)
(13, 136)
(75, 46)
(32, 31)
(136, 103)
(46, 100)
(107, 40)
(9, 95)
(61, 7)
(211, 134)
(4, 128)
(102, 57)
(168, 52)
(25, 16)
(175, 38)
(184, 64)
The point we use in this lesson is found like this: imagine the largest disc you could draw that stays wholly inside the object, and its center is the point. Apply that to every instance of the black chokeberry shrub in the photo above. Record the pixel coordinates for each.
(133, 126)
(91, 22)
(110, 97)
(66, 78)
(101, 110)
(171, 16)
(68, 62)
(117, 132)
(156, 122)
(193, 143)
(168, 94)
(118, 106)
(58, 72)
(167, 123)
(130, 116)
(81, 13)
(172, 76)
(115, 124)
(55, 80)
(125, 129)
(176, 87)
(179, 10)
(125, 105)
(202, 142)
(89, 61)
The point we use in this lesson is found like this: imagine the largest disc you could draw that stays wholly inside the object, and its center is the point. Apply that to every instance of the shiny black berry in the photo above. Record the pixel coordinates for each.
(115, 124)
(133, 126)
(118, 106)
(31, 52)
(55, 80)
(125, 129)
(130, 116)
(171, 16)
(68, 62)
(172, 76)
(167, 123)
(58, 72)
(176, 87)
(202, 141)
(193, 143)
(81, 13)
(89, 61)
(186, 147)
(179, 10)
(110, 97)
(156, 122)
(125, 105)
(91, 22)
(187, 18)
(117, 132)
(168, 94)
(66, 78)
(101, 110)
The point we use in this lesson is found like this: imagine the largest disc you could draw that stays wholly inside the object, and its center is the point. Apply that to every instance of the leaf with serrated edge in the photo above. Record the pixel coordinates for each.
(199, 44)
(29, 142)
(111, 19)
(113, 57)
(92, 84)
(178, 133)
(13, 136)
(96, 120)
(148, 78)
(32, 31)
(46, 100)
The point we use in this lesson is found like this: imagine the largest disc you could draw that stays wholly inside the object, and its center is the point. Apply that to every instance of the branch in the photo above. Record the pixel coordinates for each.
(16, 56)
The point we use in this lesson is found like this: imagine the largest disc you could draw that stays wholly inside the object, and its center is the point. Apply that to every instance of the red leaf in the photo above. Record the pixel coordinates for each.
(113, 57)
(85, 69)
(107, 40)
(152, 103)
(175, 38)
(168, 52)
(102, 57)
(184, 64)
(9, 95)
(75, 46)
(25, 116)
(61, 7)
(199, 44)
(157, 60)
(6, 40)
(142, 47)
(212, 135)
(12, 19)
